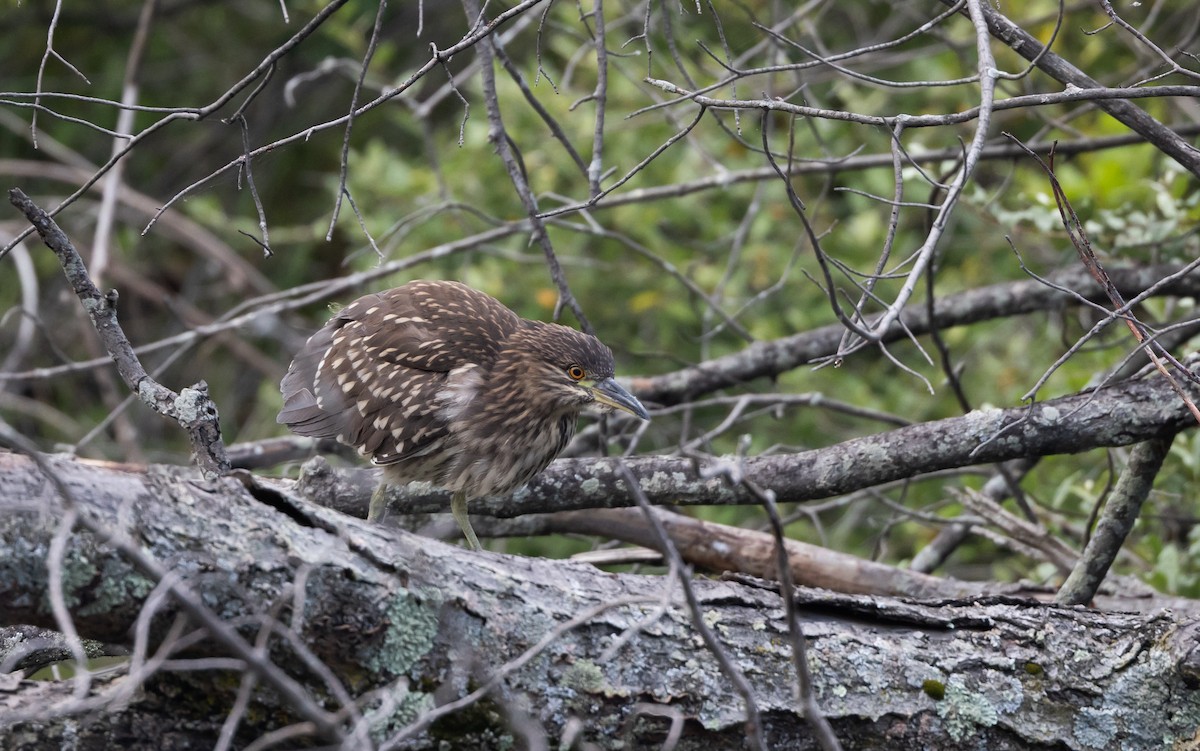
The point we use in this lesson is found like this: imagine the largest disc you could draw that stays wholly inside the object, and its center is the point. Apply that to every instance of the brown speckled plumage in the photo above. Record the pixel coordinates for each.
(439, 382)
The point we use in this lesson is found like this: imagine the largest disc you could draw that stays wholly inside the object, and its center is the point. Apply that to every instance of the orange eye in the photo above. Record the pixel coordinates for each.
(575, 373)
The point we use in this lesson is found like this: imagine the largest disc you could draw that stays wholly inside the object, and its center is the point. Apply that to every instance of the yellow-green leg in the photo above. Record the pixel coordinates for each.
(378, 503)
(458, 507)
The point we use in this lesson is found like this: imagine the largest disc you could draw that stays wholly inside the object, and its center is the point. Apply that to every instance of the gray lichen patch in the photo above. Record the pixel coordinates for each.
(191, 405)
(409, 635)
(1095, 728)
(964, 711)
(1137, 703)
(585, 676)
(119, 583)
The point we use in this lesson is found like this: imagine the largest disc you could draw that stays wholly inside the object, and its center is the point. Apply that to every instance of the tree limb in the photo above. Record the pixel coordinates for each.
(1126, 112)
(408, 623)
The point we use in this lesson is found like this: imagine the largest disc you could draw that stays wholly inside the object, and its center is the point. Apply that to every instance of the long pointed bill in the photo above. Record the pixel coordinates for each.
(609, 393)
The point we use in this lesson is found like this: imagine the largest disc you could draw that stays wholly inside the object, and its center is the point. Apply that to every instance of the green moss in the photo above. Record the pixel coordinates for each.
(407, 709)
(78, 573)
(102, 588)
(1033, 668)
(409, 635)
(479, 721)
(936, 690)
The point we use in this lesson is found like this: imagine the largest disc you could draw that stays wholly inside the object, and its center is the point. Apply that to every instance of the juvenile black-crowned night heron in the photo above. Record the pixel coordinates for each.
(439, 382)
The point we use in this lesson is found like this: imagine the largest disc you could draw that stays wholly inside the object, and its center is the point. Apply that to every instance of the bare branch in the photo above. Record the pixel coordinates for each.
(192, 408)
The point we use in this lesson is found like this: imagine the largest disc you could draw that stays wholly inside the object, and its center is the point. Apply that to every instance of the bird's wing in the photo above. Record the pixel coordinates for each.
(301, 411)
(437, 326)
(373, 376)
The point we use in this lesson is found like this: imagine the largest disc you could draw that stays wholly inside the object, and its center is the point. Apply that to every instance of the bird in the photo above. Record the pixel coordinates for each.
(439, 382)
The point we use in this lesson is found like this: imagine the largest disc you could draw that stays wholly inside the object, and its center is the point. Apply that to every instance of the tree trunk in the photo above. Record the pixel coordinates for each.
(383, 626)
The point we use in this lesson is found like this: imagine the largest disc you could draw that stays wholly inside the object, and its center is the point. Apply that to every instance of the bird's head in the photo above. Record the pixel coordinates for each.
(572, 369)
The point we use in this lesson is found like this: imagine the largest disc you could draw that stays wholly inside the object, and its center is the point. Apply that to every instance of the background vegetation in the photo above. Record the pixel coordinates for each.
(697, 254)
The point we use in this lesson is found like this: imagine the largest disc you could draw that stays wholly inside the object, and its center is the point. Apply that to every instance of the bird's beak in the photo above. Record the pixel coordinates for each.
(609, 393)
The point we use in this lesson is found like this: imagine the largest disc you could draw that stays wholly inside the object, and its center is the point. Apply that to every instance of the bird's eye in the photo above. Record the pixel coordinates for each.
(575, 373)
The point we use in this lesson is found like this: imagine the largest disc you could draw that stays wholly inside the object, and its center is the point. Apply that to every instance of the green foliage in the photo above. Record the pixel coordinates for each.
(422, 182)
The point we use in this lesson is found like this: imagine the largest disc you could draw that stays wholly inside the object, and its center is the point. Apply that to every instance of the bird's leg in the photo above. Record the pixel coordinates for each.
(458, 507)
(378, 503)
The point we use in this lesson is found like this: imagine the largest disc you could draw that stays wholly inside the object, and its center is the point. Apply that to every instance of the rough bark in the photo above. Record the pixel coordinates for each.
(384, 609)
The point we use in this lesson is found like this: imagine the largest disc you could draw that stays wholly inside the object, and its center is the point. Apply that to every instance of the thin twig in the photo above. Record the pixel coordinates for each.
(344, 163)
(130, 89)
(787, 590)
(754, 727)
(506, 148)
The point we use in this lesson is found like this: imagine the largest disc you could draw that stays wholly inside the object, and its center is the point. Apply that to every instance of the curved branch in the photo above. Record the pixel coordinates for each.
(192, 408)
